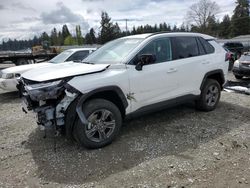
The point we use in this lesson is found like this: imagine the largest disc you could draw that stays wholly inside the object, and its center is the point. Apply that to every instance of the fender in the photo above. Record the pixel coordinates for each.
(84, 97)
(208, 74)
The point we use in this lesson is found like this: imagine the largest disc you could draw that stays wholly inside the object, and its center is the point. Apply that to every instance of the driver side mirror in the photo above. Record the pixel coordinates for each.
(144, 59)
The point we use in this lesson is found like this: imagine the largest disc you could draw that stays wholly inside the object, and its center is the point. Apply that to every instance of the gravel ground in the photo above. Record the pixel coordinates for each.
(177, 147)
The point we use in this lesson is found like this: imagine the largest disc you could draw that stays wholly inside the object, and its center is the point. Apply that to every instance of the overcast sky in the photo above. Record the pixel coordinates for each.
(22, 19)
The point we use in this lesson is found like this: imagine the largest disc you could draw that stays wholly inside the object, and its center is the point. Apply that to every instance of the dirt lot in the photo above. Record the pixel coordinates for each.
(178, 147)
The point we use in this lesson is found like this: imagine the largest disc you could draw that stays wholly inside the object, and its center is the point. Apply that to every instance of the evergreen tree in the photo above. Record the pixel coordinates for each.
(45, 37)
(175, 29)
(60, 40)
(155, 29)
(54, 37)
(133, 31)
(92, 36)
(36, 41)
(106, 33)
(45, 40)
(240, 18)
(225, 27)
(213, 25)
(65, 32)
(88, 39)
(116, 31)
(79, 37)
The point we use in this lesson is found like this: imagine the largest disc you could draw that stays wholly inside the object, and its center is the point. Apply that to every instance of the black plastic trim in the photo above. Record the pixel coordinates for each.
(162, 105)
(212, 73)
(84, 97)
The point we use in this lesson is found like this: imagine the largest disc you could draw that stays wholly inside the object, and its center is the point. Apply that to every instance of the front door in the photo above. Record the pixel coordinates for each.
(156, 82)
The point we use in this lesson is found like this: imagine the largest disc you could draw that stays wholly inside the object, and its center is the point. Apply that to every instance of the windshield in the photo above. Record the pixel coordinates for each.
(61, 57)
(114, 51)
(245, 58)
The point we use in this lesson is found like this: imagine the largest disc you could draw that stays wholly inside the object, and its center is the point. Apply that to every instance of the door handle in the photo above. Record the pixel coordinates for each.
(172, 70)
(205, 62)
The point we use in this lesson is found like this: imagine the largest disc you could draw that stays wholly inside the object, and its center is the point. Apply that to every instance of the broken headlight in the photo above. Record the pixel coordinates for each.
(44, 91)
(43, 86)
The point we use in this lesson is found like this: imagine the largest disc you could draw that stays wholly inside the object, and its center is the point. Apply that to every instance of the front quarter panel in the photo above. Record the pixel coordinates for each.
(109, 77)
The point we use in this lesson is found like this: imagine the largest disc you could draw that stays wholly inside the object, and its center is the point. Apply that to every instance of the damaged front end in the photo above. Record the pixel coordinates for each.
(49, 100)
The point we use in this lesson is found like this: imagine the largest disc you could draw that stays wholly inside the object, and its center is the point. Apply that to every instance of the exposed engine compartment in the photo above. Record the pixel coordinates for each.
(49, 100)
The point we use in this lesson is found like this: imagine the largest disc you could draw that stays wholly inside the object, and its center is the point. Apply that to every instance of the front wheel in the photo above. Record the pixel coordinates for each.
(104, 124)
(210, 96)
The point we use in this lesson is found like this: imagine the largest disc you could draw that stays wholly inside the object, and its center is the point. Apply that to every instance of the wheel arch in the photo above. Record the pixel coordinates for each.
(110, 93)
(216, 75)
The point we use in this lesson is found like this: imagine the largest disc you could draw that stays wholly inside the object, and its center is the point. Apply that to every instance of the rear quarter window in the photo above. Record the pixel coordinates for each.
(209, 49)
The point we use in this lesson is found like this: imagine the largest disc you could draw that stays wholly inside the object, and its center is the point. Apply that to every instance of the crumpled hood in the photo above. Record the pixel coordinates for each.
(62, 70)
(23, 68)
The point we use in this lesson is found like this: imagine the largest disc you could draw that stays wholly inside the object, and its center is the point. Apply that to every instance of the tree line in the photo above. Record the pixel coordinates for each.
(201, 17)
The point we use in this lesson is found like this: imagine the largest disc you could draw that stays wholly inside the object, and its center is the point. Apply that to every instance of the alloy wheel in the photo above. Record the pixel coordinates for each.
(101, 125)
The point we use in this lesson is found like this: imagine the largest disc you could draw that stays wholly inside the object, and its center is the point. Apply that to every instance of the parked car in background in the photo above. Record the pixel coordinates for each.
(231, 57)
(8, 76)
(241, 66)
(235, 47)
(124, 78)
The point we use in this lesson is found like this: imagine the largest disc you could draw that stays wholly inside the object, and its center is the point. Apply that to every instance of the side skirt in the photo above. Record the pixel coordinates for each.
(161, 106)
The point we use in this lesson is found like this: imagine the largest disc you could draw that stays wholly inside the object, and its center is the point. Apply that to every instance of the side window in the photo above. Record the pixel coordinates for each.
(161, 48)
(185, 47)
(208, 47)
(78, 56)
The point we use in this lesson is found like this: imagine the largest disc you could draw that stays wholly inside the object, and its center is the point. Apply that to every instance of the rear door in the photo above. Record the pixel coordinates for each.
(190, 60)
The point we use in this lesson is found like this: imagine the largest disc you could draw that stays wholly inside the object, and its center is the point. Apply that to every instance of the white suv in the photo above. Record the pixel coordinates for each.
(125, 77)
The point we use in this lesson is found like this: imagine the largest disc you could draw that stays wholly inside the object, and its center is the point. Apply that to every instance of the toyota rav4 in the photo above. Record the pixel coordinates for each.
(133, 75)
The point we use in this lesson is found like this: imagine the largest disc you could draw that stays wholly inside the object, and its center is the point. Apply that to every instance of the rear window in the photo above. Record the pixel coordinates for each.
(209, 49)
(185, 47)
(245, 58)
(233, 45)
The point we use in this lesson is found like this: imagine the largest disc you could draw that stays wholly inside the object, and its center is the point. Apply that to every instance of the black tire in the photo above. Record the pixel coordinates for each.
(238, 77)
(91, 109)
(210, 96)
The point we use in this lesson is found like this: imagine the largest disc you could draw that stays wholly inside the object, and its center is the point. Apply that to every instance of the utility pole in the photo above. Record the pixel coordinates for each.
(126, 23)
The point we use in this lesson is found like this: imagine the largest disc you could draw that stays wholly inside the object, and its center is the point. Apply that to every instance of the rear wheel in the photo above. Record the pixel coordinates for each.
(104, 124)
(210, 96)
(238, 77)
